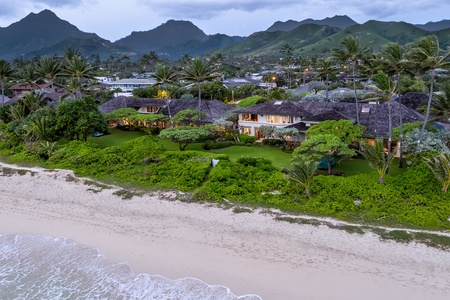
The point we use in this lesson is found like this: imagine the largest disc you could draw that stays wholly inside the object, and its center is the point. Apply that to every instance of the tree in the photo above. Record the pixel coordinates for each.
(426, 56)
(287, 50)
(28, 74)
(184, 135)
(77, 68)
(326, 69)
(164, 76)
(48, 69)
(351, 52)
(323, 145)
(188, 116)
(302, 173)
(376, 158)
(440, 166)
(79, 118)
(345, 130)
(387, 89)
(440, 107)
(198, 71)
(6, 71)
(394, 62)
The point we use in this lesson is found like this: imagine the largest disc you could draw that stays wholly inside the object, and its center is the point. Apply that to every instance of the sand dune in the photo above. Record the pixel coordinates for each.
(251, 253)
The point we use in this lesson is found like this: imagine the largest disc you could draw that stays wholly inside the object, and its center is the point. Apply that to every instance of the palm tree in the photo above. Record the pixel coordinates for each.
(376, 158)
(326, 69)
(440, 166)
(351, 52)
(28, 74)
(440, 108)
(198, 71)
(48, 69)
(287, 49)
(303, 173)
(387, 89)
(393, 61)
(153, 57)
(164, 75)
(6, 71)
(426, 56)
(78, 68)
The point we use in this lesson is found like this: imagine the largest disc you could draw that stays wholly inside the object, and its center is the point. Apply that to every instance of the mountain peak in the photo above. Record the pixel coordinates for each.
(339, 21)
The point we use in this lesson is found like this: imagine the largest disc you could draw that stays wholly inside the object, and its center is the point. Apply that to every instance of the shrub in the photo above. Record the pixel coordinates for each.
(248, 139)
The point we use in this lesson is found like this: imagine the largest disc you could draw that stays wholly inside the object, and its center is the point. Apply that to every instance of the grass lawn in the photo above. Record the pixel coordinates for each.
(280, 159)
(355, 166)
(115, 138)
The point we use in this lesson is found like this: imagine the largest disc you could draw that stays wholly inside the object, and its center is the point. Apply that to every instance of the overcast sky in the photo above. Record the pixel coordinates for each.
(115, 19)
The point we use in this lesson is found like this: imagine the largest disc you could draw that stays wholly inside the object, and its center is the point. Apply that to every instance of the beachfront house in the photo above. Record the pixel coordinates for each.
(275, 113)
(303, 115)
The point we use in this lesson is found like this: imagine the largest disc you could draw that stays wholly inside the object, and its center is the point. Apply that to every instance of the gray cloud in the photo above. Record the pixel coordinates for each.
(199, 9)
(7, 9)
(57, 3)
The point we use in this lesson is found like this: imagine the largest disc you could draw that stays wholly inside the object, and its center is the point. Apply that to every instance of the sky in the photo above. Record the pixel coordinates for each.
(116, 19)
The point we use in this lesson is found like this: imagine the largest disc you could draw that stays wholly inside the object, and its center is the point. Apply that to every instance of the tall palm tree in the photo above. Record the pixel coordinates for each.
(325, 68)
(287, 50)
(440, 108)
(393, 61)
(351, 52)
(6, 71)
(387, 89)
(198, 71)
(48, 68)
(164, 76)
(153, 57)
(78, 68)
(426, 56)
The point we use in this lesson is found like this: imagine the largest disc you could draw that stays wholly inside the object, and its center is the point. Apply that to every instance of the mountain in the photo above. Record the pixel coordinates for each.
(39, 31)
(435, 26)
(269, 43)
(170, 34)
(341, 22)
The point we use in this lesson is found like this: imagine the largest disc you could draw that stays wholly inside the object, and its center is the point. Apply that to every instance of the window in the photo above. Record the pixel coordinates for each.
(279, 119)
(250, 117)
(246, 130)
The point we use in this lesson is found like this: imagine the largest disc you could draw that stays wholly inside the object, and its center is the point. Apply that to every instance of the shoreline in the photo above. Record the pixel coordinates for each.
(250, 253)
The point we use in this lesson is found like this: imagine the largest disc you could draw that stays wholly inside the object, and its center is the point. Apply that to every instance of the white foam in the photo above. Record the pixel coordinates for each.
(41, 267)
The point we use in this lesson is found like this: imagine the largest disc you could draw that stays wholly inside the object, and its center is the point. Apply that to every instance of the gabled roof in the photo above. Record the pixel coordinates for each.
(278, 108)
(214, 109)
(126, 102)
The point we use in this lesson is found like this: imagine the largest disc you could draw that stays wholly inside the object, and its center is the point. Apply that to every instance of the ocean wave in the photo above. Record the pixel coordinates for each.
(42, 267)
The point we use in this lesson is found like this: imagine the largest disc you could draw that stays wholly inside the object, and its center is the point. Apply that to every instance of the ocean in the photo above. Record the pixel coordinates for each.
(42, 267)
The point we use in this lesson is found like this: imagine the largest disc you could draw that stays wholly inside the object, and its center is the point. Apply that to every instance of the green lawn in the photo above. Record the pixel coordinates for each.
(279, 158)
(115, 138)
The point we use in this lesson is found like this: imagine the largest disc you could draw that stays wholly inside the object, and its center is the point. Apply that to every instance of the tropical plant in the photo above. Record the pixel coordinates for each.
(345, 130)
(198, 71)
(6, 71)
(48, 69)
(323, 145)
(426, 56)
(326, 70)
(376, 158)
(393, 61)
(386, 89)
(164, 76)
(184, 135)
(351, 52)
(78, 69)
(440, 166)
(302, 173)
(287, 50)
(187, 116)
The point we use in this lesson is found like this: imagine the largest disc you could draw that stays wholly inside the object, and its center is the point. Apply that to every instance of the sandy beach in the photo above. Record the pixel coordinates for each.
(250, 253)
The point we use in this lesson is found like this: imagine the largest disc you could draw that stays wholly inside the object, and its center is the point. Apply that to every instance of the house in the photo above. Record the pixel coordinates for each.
(213, 109)
(23, 88)
(129, 84)
(143, 105)
(303, 115)
(274, 113)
